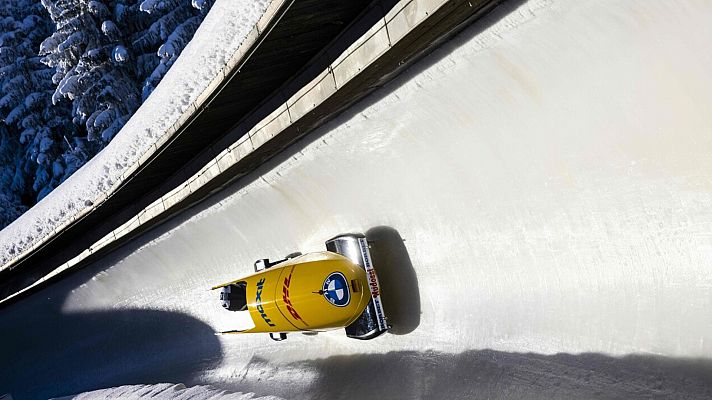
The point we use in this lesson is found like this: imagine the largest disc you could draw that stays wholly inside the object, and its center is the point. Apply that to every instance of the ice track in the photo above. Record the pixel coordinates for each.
(539, 193)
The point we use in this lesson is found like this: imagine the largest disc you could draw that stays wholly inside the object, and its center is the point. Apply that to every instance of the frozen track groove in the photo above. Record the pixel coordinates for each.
(539, 192)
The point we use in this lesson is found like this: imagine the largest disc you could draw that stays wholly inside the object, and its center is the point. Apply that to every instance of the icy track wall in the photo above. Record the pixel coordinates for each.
(538, 191)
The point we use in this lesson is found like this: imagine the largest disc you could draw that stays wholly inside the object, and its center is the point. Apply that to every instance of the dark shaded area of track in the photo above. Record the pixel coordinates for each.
(49, 352)
(489, 374)
(397, 277)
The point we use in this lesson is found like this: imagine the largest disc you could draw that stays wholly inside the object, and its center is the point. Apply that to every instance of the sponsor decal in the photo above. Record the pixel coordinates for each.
(336, 289)
(258, 300)
(373, 284)
(379, 313)
(287, 301)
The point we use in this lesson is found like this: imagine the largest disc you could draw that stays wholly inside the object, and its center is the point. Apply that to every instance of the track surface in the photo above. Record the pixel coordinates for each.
(539, 191)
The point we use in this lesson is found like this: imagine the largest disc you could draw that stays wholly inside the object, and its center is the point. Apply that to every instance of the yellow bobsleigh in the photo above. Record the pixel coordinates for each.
(332, 289)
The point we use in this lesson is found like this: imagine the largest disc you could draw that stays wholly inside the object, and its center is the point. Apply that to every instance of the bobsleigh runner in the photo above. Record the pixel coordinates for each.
(332, 289)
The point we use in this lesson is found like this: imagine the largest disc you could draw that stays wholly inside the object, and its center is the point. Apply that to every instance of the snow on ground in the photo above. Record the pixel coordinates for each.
(164, 391)
(217, 39)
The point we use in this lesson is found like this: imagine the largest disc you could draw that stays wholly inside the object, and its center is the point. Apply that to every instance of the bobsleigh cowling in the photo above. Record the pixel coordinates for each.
(332, 289)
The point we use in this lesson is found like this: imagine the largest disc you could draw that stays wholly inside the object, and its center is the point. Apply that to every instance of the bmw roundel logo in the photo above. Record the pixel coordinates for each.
(336, 289)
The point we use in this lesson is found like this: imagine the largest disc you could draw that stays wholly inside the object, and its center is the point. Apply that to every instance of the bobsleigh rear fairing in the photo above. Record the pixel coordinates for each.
(337, 288)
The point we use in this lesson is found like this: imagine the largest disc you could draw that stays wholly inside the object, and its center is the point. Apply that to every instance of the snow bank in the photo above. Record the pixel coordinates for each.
(218, 38)
(164, 391)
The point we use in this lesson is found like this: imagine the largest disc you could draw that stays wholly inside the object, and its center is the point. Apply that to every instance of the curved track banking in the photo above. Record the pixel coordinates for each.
(538, 190)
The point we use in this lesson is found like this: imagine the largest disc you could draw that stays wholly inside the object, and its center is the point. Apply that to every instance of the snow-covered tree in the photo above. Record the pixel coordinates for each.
(39, 133)
(72, 72)
(12, 183)
(175, 23)
(92, 68)
(109, 55)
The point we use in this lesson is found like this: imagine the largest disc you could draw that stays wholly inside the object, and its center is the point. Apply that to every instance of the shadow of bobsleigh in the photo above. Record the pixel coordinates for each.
(399, 283)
